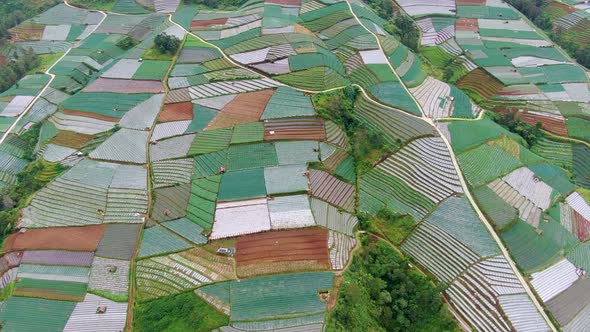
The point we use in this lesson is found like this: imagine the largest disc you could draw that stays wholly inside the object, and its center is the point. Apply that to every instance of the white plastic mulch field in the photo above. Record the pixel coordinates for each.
(242, 217)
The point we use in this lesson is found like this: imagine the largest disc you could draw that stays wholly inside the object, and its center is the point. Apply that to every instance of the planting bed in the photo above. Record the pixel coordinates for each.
(282, 251)
(66, 238)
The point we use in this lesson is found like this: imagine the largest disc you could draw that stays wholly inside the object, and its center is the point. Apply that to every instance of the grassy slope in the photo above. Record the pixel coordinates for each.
(181, 312)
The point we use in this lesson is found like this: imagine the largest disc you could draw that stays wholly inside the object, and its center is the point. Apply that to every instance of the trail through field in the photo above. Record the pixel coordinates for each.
(468, 195)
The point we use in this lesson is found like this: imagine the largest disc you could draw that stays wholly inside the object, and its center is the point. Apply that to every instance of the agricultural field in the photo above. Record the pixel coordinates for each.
(175, 166)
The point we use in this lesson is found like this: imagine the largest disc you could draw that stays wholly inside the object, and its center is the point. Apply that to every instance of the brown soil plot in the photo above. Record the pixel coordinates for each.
(282, 251)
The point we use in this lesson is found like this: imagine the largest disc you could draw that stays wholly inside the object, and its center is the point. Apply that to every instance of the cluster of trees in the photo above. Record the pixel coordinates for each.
(216, 4)
(14, 12)
(16, 68)
(368, 145)
(398, 24)
(166, 43)
(535, 10)
(126, 43)
(580, 52)
(381, 292)
(508, 120)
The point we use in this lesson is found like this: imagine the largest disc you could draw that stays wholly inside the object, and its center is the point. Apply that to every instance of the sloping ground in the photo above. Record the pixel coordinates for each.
(280, 296)
(50, 315)
(187, 229)
(331, 189)
(165, 275)
(554, 280)
(456, 217)
(490, 297)
(439, 252)
(157, 241)
(282, 251)
(118, 241)
(239, 218)
(290, 212)
(529, 249)
(201, 207)
(424, 165)
(380, 190)
(570, 302)
(104, 279)
(475, 163)
(70, 238)
(295, 129)
(330, 217)
(391, 123)
(86, 318)
(245, 108)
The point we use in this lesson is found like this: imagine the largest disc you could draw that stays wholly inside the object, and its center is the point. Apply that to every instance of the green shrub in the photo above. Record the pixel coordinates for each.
(166, 43)
(381, 292)
(126, 43)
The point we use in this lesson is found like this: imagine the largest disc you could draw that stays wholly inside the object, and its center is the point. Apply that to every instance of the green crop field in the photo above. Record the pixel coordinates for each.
(301, 142)
(280, 296)
(531, 251)
(500, 213)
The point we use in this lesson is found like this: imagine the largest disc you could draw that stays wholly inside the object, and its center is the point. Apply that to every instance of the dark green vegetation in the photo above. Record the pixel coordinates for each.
(13, 12)
(507, 120)
(167, 44)
(381, 292)
(394, 226)
(13, 71)
(35, 176)
(536, 11)
(94, 4)
(182, 312)
(398, 24)
(30, 180)
(216, 4)
(126, 43)
(368, 146)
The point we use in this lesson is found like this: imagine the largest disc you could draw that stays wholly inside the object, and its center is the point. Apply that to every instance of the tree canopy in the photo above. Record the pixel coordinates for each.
(381, 292)
(16, 68)
(167, 43)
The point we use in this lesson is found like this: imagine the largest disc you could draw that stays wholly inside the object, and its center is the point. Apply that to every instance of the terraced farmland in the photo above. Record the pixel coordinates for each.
(223, 172)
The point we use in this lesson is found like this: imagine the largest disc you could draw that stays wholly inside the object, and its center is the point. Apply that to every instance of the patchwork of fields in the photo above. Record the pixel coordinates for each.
(226, 171)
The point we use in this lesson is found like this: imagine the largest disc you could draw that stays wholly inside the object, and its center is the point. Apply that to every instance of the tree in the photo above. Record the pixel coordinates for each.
(407, 31)
(11, 72)
(126, 43)
(167, 44)
(381, 292)
(509, 121)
